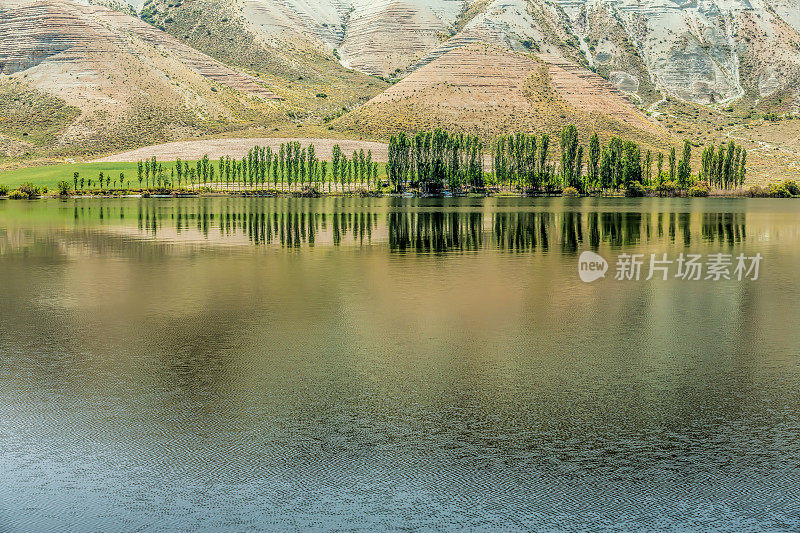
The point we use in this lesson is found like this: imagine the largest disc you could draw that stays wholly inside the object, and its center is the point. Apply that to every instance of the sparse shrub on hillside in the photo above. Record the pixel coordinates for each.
(36, 116)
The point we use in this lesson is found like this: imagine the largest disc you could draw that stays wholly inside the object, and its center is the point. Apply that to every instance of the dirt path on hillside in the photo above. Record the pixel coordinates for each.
(216, 148)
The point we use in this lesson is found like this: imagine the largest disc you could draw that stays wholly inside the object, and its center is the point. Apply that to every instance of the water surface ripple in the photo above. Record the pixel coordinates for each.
(250, 364)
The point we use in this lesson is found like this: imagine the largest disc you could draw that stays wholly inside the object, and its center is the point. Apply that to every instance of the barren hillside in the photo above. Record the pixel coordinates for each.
(704, 52)
(122, 81)
(113, 81)
(486, 89)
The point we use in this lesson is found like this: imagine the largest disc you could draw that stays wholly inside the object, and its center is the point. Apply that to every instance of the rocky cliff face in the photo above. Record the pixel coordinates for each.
(706, 51)
(703, 51)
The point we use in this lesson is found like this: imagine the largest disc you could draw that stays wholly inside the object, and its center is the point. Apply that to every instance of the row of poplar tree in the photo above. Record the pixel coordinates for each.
(434, 160)
(292, 167)
(724, 167)
(437, 160)
(521, 161)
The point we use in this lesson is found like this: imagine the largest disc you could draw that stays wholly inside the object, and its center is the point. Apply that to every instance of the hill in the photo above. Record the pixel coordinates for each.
(700, 52)
(80, 79)
(485, 89)
(88, 78)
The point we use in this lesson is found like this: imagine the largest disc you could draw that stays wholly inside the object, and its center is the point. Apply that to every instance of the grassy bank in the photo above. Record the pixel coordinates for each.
(49, 176)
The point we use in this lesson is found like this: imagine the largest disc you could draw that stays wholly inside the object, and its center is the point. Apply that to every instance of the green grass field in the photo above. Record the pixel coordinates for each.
(50, 175)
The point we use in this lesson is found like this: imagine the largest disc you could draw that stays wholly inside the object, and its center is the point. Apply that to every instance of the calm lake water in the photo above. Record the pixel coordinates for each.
(247, 364)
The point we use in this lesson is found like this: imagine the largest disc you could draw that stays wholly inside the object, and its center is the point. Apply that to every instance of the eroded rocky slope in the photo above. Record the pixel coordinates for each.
(128, 81)
(487, 89)
(155, 70)
(704, 51)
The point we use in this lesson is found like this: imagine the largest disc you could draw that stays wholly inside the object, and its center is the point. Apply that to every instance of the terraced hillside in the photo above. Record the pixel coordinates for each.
(703, 52)
(277, 41)
(58, 32)
(487, 89)
(384, 37)
(83, 78)
(127, 82)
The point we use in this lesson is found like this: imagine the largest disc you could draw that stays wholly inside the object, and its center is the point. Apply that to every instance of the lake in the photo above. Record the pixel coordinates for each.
(369, 364)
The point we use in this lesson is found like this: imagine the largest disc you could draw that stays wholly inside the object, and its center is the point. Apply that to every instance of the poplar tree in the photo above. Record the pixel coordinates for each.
(543, 173)
(606, 176)
(336, 159)
(684, 167)
(594, 159)
(742, 168)
(578, 175)
(632, 164)
(569, 151)
(672, 157)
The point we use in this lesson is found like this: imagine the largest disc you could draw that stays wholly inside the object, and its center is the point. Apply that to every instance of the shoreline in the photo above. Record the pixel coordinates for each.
(365, 194)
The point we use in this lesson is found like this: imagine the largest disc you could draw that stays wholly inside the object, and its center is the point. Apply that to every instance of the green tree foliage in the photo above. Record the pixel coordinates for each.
(724, 167)
(685, 167)
(439, 160)
(569, 153)
(64, 188)
(672, 163)
(593, 170)
(433, 160)
(631, 165)
(606, 170)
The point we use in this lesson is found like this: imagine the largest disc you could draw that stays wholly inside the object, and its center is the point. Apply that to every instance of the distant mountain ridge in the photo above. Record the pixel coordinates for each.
(123, 73)
(702, 51)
